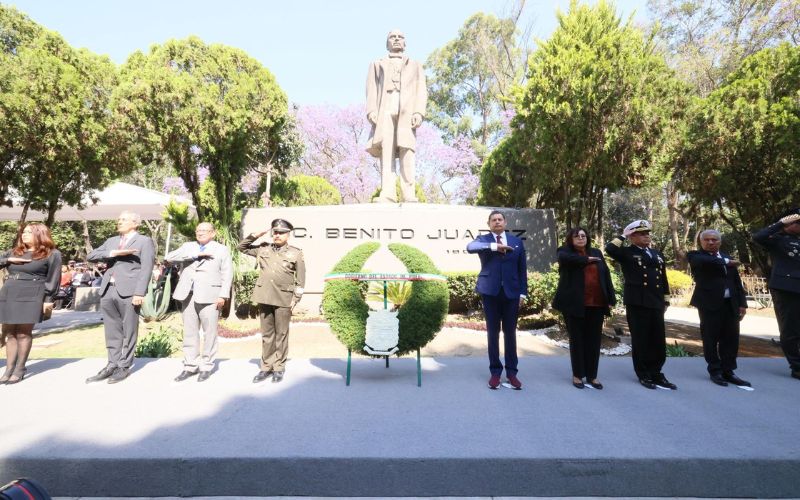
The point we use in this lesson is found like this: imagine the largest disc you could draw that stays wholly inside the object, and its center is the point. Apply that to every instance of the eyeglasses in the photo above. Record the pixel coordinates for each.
(579, 236)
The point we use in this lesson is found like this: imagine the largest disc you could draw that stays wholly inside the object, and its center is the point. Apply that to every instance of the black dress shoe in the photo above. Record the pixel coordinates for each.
(596, 385)
(119, 375)
(646, 382)
(203, 376)
(578, 385)
(733, 379)
(261, 376)
(662, 381)
(796, 374)
(717, 379)
(184, 375)
(102, 374)
(277, 377)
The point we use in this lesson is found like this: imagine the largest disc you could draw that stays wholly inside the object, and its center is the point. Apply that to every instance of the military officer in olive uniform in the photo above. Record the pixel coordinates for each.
(782, 240)
(646, 298)
(278, 288)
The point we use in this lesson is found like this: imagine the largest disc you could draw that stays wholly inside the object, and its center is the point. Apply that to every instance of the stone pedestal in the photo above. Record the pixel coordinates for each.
(327, 233)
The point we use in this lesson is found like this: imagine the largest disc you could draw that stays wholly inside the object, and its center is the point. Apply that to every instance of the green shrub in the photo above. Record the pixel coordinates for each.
(679, 281)
(463, 297)
(159, 343)
(343, 301)
(423, 315)
(541, 290)
(677, 351)
(244, 285)
(305, 190)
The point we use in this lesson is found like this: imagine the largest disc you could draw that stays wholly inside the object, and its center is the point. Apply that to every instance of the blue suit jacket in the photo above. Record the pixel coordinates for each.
(508, 270)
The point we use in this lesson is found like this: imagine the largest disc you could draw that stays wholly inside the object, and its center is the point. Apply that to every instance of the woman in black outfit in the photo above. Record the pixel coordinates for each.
(34, 274)
(584, 296)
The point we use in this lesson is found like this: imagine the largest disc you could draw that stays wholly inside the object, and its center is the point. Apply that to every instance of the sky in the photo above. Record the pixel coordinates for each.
(318, 50)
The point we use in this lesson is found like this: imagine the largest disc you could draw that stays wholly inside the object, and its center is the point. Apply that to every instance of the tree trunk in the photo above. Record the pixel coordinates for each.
(87, 243)
(672, 210)
(21, 222)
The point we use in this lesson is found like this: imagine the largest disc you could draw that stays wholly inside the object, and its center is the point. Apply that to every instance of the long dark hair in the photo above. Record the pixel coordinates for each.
(571, 234)
(42, 241)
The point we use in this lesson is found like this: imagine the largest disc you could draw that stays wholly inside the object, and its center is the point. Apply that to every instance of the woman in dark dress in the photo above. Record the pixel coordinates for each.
(34, 273)
(584, 296)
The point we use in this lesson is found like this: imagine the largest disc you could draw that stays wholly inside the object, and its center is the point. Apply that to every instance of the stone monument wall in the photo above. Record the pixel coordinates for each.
(326, 233)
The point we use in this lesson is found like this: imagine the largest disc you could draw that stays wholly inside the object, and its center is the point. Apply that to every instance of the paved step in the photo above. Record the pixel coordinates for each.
(384, 436)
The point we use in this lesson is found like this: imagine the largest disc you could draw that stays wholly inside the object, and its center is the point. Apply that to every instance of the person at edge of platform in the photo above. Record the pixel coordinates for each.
(130, 257)
(584, 296)
(502, 285)
(26, 298)
(721, 303)
(645, 295)
(782, 240)
(203, 288)
(278, 289)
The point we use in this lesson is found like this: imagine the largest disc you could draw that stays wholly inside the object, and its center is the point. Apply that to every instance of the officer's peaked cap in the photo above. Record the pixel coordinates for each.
(281, 226)
(639, 226)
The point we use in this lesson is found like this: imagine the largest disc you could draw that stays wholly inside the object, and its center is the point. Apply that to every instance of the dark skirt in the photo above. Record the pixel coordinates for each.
(21, 302)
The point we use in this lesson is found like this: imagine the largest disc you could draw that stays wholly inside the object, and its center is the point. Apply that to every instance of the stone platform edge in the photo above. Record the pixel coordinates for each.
(360, 477)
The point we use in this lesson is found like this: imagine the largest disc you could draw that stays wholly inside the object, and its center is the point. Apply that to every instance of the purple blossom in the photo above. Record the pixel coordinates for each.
(336, 141)
(174, 186)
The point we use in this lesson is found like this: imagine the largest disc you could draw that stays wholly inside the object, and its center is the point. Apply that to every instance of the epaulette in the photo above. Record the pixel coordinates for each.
(618, 241)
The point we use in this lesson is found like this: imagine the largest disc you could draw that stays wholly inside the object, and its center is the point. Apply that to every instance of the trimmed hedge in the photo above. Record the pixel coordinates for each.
(423, 315)
(343, 301)
(463, 297)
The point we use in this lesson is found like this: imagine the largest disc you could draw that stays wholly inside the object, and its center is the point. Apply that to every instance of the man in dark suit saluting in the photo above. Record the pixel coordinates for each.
(130, 258)
(645, 298)
(782, 240)
(720, 299)
(503, 285)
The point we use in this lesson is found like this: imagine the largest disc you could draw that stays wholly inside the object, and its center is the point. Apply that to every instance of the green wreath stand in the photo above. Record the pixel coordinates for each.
(420, 318)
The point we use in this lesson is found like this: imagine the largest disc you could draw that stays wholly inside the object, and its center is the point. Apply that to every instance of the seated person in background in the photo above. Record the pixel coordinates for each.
(97, 273)
(66, 276)
(81, 277)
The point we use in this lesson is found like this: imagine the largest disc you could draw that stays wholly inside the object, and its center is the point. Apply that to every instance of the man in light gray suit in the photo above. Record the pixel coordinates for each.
(130, 258)
(204, 285)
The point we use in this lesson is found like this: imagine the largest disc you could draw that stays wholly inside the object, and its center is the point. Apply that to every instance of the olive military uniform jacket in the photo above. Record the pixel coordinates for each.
(645, 275)
(283, 272)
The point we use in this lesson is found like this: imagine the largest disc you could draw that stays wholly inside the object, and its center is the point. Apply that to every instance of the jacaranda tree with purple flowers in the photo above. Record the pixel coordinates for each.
(335, 141)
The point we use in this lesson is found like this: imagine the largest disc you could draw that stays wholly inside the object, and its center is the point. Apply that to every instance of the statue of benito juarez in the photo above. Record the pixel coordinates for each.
(396, 100)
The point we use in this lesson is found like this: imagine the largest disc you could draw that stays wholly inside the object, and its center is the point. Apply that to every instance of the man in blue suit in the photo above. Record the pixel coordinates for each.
(503, 284)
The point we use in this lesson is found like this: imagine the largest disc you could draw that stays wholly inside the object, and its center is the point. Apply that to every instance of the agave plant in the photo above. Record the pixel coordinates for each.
(397, 292)
(156, 302)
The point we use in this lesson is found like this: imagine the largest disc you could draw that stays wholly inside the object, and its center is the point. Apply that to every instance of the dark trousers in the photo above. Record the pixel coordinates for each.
(787, 311)
(121, 325)
(501, 312)
(584, 342)
(275, 322)
(648, 340)
(720, 332)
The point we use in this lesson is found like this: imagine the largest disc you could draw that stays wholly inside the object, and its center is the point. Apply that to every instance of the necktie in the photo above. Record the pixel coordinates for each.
(122, 242)
(499, 240)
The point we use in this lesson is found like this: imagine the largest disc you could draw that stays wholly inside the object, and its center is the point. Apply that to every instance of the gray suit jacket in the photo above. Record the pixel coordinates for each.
(131, 273)
(207, 279)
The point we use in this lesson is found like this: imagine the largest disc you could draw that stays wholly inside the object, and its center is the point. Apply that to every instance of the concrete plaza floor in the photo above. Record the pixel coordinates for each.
(384, 436)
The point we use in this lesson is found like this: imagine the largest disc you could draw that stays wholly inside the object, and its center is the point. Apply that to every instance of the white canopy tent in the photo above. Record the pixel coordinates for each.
(111, 201)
